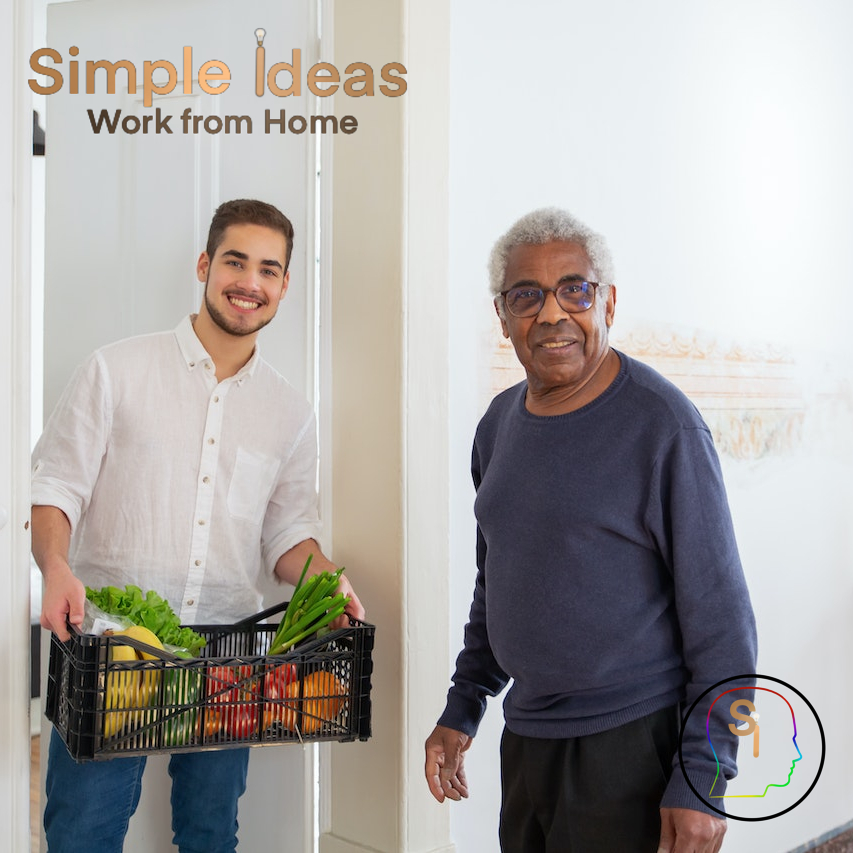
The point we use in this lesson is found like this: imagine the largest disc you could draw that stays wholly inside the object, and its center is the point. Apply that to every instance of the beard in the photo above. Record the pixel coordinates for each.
(231, 326)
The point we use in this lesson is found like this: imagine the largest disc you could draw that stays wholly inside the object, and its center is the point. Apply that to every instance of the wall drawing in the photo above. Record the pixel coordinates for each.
(758, 399)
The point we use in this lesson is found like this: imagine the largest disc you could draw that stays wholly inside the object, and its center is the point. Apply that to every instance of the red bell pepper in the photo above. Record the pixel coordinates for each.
(276, 682)
(232, 694)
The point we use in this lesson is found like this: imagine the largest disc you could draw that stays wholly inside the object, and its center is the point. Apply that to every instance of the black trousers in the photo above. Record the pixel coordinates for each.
(595, 794)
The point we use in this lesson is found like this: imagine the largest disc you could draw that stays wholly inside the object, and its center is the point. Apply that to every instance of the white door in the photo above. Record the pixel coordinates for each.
(15, 152)
(127, 214)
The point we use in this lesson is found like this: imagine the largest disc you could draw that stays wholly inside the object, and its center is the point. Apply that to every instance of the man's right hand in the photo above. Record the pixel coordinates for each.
(445, 756)
(64, 595)
(63, 599)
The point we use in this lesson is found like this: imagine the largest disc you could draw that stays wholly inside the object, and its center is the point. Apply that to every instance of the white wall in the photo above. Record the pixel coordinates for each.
(710, 143)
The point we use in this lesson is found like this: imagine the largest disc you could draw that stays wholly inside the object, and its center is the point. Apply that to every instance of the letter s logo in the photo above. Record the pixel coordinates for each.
(750, 721)
(751, 724)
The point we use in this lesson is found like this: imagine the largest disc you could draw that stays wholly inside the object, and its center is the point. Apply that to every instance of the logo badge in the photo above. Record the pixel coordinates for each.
(781, 746)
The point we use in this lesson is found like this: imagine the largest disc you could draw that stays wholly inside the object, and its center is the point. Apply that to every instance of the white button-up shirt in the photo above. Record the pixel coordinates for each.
(176, 482)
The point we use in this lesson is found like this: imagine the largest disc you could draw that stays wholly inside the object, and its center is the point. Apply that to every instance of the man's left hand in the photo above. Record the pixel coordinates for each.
(289, 569)
(689, 831)
(354, 608)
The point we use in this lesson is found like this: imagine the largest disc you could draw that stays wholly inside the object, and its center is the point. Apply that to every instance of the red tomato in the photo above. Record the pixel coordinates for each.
(276, 682)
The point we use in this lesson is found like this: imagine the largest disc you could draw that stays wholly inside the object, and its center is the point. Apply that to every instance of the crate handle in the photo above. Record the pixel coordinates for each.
(136, 644)
(264, 614)
(162, 654)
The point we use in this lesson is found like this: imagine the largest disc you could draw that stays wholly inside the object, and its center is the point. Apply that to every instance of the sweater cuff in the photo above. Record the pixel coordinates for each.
(679, 795)
(462, 714)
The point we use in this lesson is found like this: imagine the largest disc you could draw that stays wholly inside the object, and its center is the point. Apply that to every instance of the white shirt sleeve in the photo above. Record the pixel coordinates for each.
(67, 457)
(291, 515)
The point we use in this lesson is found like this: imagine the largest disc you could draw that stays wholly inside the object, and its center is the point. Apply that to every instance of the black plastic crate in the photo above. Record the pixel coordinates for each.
(233, 694)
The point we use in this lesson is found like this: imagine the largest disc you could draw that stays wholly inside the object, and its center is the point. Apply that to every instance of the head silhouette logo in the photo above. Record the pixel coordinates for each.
(780, 746)
(753, 729)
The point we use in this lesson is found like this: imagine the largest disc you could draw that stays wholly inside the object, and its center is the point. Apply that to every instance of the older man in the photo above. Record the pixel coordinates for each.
(609, 587)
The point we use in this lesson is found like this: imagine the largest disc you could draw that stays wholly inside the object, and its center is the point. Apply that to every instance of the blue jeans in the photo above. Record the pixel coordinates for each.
(89, 805)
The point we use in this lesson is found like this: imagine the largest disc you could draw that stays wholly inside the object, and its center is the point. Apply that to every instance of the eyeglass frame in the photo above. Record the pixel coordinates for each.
(546, 290)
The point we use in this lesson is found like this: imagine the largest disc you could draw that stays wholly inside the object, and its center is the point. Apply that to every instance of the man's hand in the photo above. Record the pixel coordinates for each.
(445, 755)
(354, 607)
(689, 831)
(64, 595)
(63, 598)
(289, 569)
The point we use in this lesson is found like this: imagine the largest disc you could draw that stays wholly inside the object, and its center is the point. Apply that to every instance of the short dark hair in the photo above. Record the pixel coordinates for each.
(248, 211)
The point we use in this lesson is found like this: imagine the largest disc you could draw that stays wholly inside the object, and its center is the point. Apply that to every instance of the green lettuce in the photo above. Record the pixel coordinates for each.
(150, 610)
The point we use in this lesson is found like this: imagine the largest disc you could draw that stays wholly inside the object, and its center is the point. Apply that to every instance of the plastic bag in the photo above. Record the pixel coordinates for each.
(97, 622)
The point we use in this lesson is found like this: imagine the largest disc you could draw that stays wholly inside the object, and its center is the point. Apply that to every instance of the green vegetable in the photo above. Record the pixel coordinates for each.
(150, 611)
(181, 687)
(313, 606)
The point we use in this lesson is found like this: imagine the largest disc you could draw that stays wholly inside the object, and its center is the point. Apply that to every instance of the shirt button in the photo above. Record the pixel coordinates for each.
(192, 364)
(211, 441)
(205, 480)
(201, 522)
(216, 399)
(191, 602)
(207, 365)
(198, 563)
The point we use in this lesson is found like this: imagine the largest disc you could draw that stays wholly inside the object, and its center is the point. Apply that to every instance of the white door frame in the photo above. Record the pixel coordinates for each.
(15, 154)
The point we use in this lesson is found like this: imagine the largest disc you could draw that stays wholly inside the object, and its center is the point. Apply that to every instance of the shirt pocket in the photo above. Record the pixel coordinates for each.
(251, 485)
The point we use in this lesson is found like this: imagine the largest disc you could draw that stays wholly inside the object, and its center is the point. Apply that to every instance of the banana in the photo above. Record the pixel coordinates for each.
(131, 690)
(144, 635)
(121, 686)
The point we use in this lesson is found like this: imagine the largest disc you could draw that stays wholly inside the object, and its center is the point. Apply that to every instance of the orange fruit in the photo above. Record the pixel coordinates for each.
(320, 697)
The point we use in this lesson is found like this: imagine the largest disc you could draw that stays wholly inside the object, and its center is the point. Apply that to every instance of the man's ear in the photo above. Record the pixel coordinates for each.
(610, 308)
(284, 283)
(202, 267)
(504, 328)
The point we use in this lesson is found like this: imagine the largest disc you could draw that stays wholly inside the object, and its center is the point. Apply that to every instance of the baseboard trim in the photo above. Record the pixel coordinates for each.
(332, 844)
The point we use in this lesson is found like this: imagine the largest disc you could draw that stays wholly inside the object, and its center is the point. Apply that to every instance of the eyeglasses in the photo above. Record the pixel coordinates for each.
(572, 296)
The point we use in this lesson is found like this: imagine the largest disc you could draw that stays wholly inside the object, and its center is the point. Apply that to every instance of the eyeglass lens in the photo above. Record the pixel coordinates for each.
(573, 296)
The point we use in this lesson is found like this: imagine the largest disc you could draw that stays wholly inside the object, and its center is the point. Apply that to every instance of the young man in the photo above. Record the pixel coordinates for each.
(180, 462)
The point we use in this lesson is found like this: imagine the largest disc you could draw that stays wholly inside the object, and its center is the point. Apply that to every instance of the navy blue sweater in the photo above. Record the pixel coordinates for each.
(609, 583)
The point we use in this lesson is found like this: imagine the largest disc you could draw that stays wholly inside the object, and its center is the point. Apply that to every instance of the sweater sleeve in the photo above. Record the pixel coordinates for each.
(477, 674)
(689, 511)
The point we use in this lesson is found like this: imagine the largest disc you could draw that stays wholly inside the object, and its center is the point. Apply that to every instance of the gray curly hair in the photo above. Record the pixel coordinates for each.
(544, 226)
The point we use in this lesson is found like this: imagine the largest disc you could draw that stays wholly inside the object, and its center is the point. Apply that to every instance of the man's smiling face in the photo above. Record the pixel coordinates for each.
(245, 279)
(560, 351)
